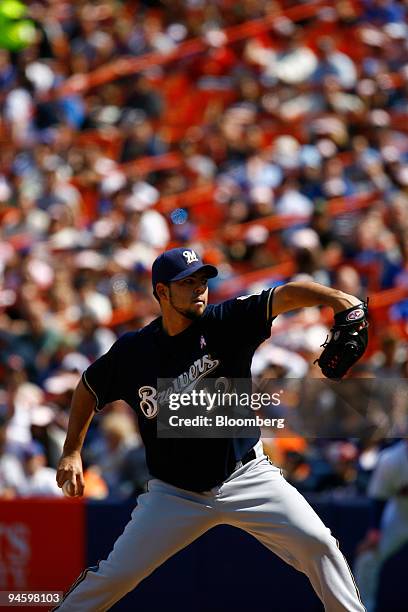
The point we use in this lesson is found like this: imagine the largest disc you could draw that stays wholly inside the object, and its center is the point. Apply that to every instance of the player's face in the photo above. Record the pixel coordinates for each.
(189, 296)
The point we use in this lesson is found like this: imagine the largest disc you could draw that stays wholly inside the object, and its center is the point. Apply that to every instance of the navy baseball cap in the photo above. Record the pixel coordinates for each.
(178, 263)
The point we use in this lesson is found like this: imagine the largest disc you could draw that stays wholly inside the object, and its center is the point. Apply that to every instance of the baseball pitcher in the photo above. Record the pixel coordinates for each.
(200, 483)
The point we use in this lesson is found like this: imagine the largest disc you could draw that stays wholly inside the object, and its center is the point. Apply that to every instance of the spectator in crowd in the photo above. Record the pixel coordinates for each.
(275, 153)
(116, 454)
(11, 471)
(39, 479)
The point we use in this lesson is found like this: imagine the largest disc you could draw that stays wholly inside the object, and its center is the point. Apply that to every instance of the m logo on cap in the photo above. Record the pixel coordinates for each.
(190, 256)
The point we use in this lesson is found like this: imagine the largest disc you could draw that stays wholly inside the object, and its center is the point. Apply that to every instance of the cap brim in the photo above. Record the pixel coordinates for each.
(211, 271)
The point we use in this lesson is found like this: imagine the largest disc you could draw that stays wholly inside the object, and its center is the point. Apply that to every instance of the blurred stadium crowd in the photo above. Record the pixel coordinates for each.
(269, 135)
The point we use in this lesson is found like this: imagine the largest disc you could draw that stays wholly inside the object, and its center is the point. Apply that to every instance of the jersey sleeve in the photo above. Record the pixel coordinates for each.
(250, 315)
(103, 377)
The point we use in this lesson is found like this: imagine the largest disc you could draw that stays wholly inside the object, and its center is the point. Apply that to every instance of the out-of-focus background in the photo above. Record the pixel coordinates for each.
(271, 136)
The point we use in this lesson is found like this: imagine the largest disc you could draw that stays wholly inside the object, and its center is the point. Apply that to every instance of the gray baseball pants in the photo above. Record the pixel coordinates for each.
(255, 498)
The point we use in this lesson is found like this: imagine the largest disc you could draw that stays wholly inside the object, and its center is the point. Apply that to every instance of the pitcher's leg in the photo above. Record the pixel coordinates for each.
(264, 504)
(164, 521)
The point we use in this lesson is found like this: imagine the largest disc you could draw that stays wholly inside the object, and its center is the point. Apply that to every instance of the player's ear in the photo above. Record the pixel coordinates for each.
(162, 291)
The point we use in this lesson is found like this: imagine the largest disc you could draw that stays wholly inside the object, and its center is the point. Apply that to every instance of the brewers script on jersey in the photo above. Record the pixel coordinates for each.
(200, 483)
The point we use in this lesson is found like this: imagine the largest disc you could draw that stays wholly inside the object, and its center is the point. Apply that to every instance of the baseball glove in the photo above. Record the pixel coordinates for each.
(348, 341)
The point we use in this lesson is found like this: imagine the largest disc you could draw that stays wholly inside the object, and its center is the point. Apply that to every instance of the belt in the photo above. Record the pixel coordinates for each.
(250, 455)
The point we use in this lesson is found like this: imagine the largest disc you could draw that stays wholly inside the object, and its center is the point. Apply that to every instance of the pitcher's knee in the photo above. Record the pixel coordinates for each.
(126, 577)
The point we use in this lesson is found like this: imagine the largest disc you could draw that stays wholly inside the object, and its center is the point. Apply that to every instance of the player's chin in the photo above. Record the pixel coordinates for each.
(197, 309)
